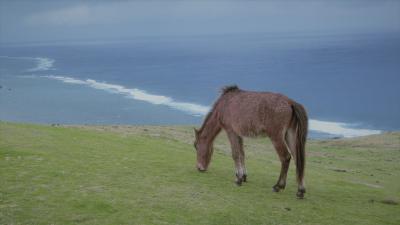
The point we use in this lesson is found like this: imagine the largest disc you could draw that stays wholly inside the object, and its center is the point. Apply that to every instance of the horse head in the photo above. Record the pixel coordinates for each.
(204, 151)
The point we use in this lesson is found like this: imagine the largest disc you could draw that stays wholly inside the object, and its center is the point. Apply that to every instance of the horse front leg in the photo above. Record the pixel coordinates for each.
(238, 157)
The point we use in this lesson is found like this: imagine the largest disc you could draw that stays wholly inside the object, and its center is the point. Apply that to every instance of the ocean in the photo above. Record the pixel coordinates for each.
(348, 83)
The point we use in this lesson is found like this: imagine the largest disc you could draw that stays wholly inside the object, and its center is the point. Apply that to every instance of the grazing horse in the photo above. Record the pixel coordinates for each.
(247, 114)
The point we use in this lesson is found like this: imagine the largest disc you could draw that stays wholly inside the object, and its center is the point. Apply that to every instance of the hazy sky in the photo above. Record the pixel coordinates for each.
(25, 21)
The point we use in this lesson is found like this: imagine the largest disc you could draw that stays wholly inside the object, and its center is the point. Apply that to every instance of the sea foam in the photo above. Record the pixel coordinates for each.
(42, 63)
(339, 129)
(137, 94)
(328, 127)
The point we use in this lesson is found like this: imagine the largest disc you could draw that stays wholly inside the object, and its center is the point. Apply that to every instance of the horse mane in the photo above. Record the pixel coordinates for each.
(224, 90)
(229, 88)
(206, 119)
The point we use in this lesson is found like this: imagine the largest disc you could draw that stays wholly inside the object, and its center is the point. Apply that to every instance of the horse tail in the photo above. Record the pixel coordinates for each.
(301, 125)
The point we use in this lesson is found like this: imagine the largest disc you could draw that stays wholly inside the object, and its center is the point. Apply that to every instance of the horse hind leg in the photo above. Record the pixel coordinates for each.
(291, 141)
(238, 157)
(284, 156)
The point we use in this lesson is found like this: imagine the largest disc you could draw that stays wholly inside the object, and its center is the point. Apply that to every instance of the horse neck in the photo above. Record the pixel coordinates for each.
(210, 128)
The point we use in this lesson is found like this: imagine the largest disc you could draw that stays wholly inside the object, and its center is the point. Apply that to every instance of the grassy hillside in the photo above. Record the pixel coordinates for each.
(147, 175)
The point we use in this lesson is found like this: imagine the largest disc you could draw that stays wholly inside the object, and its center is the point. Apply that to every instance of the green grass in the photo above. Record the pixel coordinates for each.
(147, 175)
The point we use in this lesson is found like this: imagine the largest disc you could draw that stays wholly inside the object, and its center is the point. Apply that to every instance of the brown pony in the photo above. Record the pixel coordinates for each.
(244, 114)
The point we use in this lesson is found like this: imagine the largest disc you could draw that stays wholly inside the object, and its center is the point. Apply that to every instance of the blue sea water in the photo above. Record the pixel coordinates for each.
(348, 83)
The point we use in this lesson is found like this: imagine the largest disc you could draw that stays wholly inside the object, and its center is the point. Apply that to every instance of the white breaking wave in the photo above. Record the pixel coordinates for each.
(42, 63)
(340, 129)
(333, 128)
(137, 94)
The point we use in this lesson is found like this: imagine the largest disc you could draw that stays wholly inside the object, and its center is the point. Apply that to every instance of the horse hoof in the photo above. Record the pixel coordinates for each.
(238, 182)
(244, 178)
(300, 194)
(276, 188)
